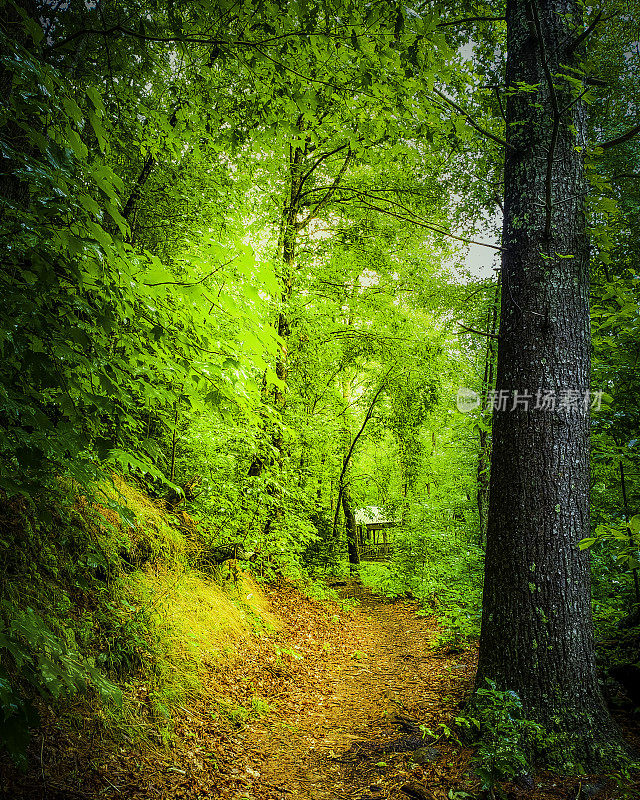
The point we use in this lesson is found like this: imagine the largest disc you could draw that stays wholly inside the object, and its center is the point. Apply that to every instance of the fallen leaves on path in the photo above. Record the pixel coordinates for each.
(334, 733)
(326, 708)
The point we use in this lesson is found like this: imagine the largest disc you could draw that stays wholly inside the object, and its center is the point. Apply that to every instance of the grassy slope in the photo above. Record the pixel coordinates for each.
(108, 618)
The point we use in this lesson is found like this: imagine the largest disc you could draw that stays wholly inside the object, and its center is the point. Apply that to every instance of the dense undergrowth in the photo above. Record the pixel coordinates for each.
(104, 595)
(442, 570)
(113, 595)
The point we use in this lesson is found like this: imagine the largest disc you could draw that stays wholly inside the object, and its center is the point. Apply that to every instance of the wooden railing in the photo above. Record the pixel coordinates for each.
(375, 552)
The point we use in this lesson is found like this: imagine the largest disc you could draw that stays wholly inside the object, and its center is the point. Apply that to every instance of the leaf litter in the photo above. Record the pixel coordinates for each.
(328, 707)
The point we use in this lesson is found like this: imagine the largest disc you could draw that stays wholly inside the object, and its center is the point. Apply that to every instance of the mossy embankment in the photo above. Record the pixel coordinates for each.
(113, 618)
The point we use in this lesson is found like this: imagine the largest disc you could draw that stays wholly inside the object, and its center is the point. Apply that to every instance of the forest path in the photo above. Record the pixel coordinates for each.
(304, 711)
(331, 734)
(313, 710)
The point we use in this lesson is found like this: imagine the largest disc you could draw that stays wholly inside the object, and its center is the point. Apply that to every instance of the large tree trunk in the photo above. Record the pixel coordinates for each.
(537, 636)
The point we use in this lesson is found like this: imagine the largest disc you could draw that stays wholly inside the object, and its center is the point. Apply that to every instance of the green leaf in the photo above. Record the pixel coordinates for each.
(76, 144)
(89, 204)
(99, 130)
(585, 543)
(94, 95)
(72, 109)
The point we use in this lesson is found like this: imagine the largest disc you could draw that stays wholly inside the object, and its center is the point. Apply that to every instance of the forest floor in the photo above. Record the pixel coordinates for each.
(318, 710)
(335, 736)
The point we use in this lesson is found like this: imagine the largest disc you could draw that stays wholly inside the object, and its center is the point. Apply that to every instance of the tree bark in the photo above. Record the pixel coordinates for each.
(352, 534)
(537, 636)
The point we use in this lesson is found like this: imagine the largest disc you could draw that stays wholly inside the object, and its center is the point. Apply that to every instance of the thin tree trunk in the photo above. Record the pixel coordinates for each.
(173, 445)
(350, 525)
(537, 634)
(320, 478)
(287, 242)
(347, 458)
(627, 517)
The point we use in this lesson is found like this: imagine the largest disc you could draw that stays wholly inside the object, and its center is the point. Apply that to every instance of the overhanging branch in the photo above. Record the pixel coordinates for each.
(585, 34)
(620, 139)
(410, 216)
(480, 333)
(471, 121)
(465, 20)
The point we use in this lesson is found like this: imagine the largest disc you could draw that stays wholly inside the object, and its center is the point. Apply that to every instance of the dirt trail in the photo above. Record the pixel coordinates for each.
(305, 712)
(313, 711)
(331, 738)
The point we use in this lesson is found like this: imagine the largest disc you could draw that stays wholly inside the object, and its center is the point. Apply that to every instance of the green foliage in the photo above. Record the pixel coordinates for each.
(436, 561)
(505, 738)
(139, 336)
(71, 621)
(91, 610)
(625, 780)
(319, 590)
(95, 332)
(615, 201)
(382, 579)
(151, 325)
(37, 660)
(621, 540)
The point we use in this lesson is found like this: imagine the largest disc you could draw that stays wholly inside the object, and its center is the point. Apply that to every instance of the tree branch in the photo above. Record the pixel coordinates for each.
(576, 100)
(142, 37)
(481, 333)
(471, 121)
(586, 33)
(620, 139)
(496, 89)
(300, 74)
(464, 20)
(413, 219)
(143, 177)
(317, 162)
(321, 203)
(195, 283)
(622, 175)
(590, 80)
